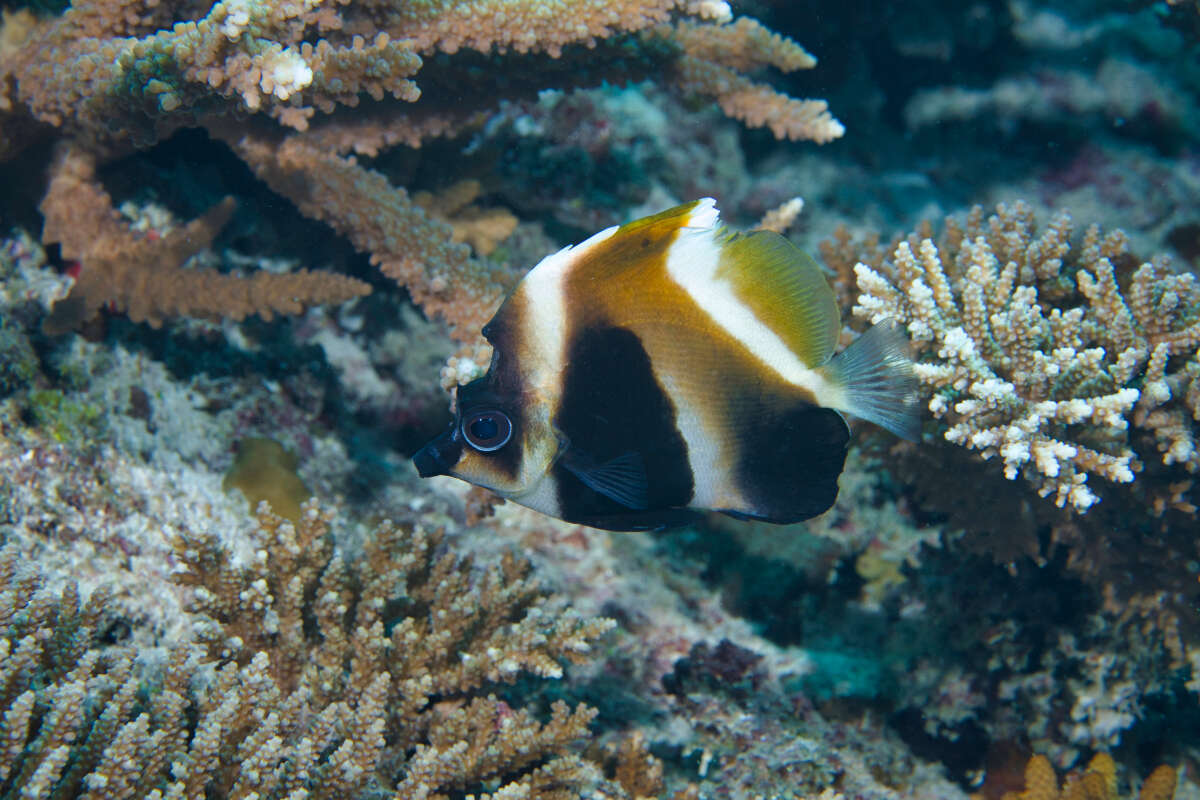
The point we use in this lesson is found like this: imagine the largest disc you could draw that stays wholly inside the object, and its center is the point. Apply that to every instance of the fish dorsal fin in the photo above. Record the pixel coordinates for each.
(698, 214)
(622, 479)
(784, 288)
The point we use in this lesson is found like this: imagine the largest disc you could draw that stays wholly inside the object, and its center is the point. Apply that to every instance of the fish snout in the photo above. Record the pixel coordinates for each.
(438, 457)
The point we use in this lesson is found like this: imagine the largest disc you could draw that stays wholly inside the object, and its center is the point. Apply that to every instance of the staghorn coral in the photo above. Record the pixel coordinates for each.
(415, 627)
(144, 277)
(638, 773)
(715, 59)
(1025, 307)
(308, 676)
(65, 692)
(780, 218)
(405, 244)
(158, 66)
(117, 73)
(1033, 351)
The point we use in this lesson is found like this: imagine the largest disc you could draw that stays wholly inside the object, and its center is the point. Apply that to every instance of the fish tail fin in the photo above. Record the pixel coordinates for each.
(876, 376)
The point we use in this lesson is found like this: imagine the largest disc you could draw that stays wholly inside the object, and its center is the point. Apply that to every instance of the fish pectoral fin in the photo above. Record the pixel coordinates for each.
(878, 380)
(622, 479)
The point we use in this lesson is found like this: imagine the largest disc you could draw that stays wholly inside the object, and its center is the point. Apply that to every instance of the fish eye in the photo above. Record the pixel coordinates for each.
(487, 430)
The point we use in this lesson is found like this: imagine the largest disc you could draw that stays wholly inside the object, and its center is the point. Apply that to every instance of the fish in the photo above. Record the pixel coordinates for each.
(670, 367)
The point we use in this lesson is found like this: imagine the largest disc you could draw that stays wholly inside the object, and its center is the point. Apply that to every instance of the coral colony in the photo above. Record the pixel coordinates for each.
(247, 249)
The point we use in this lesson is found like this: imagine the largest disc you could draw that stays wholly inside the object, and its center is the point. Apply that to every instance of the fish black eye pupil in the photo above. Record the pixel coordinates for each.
(487, 430)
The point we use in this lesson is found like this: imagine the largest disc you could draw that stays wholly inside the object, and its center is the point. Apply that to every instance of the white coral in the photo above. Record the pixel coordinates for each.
(1015, 377)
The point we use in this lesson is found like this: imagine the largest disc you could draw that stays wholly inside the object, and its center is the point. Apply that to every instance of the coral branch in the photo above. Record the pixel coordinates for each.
(114, 73)
(1016, 373)
(715, 56)
(144, 276)
(378, 218)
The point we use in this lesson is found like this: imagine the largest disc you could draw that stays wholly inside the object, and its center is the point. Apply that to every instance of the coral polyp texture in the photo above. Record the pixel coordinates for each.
(163, 65)
(309, 675)
(1053, 358)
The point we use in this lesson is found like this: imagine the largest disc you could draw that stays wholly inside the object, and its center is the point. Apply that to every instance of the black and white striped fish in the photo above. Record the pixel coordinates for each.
(668, 366)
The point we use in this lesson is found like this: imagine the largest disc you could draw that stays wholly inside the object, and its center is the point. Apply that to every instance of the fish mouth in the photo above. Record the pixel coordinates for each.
(438, 457)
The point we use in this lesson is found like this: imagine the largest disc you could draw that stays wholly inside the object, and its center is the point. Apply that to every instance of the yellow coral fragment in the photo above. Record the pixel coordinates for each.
(265, 470)
(1160, 785)
(1098, 781)
(1040, 781)
(482, 228)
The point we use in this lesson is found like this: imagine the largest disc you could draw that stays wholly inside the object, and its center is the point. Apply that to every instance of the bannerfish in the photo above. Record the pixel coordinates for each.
(666, 367)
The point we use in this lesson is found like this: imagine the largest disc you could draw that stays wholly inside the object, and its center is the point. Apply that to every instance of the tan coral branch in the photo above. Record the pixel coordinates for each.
(144, 276)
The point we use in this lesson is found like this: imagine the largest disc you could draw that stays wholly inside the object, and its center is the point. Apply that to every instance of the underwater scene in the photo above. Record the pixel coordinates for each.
(624, 399)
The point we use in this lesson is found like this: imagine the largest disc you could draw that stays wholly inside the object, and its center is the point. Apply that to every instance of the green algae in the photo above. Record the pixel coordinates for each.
(65, 418)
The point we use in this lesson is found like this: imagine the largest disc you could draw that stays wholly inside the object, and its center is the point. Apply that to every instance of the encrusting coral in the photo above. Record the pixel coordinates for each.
(274, 80)
(1055, 358)
(309, 676)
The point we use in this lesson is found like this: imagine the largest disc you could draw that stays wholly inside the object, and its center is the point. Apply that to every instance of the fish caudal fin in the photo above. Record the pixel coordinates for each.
(875, 374)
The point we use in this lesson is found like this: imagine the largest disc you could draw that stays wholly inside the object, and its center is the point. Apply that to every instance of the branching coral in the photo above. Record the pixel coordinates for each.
(482, 229)
(114, 73)
(163, 65)
(716, 57)
(405, 244)
(144, 276)
(414, 627)
(1032, 350)
(310, 676)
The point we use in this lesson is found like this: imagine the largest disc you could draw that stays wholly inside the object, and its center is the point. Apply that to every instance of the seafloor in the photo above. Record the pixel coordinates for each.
(929, 636)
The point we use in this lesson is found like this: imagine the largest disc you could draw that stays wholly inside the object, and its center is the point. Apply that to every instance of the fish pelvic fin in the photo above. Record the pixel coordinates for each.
(877, 379)
(622, 479)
